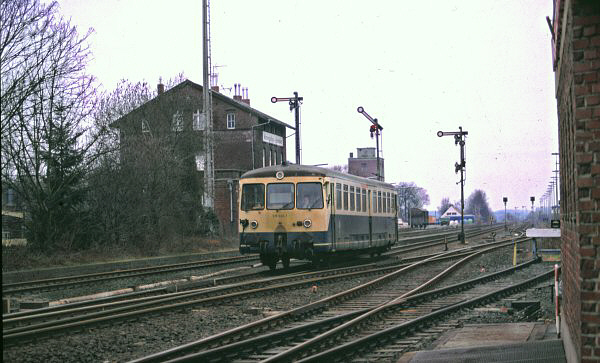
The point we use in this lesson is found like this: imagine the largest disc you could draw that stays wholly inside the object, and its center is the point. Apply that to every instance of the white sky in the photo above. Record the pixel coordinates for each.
(416, 66)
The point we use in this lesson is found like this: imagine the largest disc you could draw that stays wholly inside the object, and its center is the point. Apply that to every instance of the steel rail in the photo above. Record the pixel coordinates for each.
(269, 323)
(59, 282)
(346, 350)
(252, 345)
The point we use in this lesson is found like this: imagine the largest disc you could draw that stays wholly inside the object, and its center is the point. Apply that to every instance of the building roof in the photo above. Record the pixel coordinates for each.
(219, 96)
(450, 209)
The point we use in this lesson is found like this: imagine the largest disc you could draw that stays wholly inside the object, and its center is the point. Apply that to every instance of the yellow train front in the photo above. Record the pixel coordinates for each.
(312, 213)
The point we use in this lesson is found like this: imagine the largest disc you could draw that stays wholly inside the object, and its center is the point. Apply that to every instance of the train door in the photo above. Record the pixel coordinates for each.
(331, 204)
(370, 210)
(395, 211)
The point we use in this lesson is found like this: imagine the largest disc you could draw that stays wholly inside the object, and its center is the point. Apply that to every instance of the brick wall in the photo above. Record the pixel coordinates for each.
(578, 99)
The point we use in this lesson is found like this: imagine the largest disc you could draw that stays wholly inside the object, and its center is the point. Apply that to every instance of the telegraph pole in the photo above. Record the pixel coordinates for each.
(295, 106)
(374, 129)
(209, 171)
(459, 140)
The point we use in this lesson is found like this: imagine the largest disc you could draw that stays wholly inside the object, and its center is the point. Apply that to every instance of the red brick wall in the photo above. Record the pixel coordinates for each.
(578, 98)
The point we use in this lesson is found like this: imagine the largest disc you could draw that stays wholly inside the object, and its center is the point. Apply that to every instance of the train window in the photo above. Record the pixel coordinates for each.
(379, 201)
(338, 196)
(384, 210)
(253, 197)
(309, 195)
(352, 198)
(358, 199)
(364, 200)
(387, 204)
(345, 197)
(280, 196)
(374, 202)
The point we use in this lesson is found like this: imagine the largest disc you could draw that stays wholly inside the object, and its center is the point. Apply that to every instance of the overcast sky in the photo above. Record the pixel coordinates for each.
(416, 66)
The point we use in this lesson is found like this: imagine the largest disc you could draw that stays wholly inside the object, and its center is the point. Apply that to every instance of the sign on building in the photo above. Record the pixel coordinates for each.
(272, 138)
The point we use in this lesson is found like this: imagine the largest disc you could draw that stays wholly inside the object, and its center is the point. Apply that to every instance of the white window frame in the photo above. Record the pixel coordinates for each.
(230, 121)
(200, 161)
(177, 122)
(198, 121)
(145, 126)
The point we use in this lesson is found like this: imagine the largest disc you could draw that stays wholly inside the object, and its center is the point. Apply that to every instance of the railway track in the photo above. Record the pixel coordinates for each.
(313, 319)
(70, 281)
(383, 334)
(20, 328)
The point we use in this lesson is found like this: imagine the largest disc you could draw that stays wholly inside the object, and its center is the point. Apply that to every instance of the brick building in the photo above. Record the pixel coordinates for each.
(576, 53)
(244, 139)
(365, 163)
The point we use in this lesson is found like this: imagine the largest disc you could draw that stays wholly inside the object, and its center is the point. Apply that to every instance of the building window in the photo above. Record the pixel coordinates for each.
(264, 157)
(273, 157)
(145, 127)
(231, 120)
(200, 161)
(198, 121)
(177, 123)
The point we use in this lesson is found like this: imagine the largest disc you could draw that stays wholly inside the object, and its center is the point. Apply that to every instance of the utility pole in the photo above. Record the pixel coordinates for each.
(209, 171)
(459, 140)
(374, 129)
(294, 105)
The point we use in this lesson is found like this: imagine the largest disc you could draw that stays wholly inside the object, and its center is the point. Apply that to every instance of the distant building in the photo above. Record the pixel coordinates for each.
(365, 163)
(244, 139)
(451, 211)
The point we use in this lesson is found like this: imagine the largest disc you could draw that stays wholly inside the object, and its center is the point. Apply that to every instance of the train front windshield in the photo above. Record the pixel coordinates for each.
(253, 197)
(280, 196)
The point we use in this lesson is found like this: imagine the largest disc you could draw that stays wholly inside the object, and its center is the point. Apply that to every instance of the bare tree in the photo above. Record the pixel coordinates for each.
(410, 196)
(151, 192)
(444, 205)
(46, 97)
(477, 205)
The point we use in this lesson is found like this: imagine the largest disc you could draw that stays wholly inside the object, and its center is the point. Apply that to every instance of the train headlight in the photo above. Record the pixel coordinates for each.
(307, 223)
(254, 224)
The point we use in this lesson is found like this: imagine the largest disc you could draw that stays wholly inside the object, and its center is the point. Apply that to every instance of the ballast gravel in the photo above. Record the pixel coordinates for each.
(151, 334)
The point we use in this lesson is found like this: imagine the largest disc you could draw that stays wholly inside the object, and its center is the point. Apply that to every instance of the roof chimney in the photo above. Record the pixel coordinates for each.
(351, 155)
(215, 88)
(245, 98)
(237, 91)
(160, 87)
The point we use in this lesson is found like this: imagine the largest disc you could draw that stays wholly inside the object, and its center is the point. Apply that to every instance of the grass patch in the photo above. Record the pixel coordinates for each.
(16, 258)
